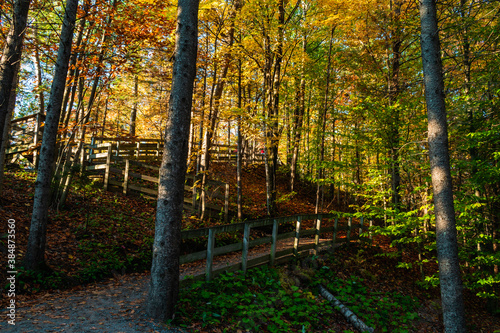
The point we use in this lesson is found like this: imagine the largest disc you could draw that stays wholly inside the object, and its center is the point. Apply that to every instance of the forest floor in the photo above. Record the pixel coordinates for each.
(96, 279)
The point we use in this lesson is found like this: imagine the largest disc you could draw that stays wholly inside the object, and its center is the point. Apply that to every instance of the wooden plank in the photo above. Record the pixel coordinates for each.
(18, 149)
(101, 146)
(190, 257)
(95, 167)
(25, 131)
(23, 119)
(144, 165)
(144, 177)
(143, 190)
(99, 155)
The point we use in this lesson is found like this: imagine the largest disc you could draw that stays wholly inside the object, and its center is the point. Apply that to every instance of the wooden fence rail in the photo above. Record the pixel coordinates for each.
(152, 149)
(274, 256)
(116, 171)
(25, 135)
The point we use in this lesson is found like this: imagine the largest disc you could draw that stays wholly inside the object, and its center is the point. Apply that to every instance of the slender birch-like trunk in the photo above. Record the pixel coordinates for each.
(37, 237)
(446, 232)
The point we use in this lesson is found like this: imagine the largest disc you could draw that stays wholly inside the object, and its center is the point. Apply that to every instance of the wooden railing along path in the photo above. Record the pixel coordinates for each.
(25, 135)
(116, 170)
(350, 232)
(152, 149)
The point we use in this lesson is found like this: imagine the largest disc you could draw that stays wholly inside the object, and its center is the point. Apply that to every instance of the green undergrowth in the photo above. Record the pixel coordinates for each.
(388, 311)
(287, 300)
(98, 235)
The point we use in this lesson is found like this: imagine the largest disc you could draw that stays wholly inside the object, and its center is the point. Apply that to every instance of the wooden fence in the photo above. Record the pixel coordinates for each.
(152, 149)
(228, 153)
(316, 239)
(127, 175)
(26, 133)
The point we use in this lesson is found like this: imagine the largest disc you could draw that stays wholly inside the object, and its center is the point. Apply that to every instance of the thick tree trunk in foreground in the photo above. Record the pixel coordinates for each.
(446, 233)
(36, 242)
(164, 285)
(11, 55)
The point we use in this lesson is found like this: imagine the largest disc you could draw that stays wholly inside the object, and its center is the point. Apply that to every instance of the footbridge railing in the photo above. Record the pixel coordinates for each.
(309, 233)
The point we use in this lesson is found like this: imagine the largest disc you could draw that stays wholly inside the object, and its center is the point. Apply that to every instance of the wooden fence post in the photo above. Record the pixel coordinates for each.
(91, 150)
(297, 236)
(138, 152)
(274, 240)
(210, 254)
(125, 179)
(106, 172)
(349, 223)
(246, 243)
(226, 203)
(316, 236)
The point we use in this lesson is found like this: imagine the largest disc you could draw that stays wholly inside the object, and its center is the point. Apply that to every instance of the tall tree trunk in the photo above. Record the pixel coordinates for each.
(239, 145)
(298, 117)
(38, 76)
(320, 185)
(394, 88)
(133, 115)
(215, 100)
(37, 237)
(6, 132)
(11, 55)
(446, 233)
(272, 132)
(164, 285)
(74, 71)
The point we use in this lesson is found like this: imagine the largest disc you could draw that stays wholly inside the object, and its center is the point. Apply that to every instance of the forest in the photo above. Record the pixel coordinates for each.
(318, 107)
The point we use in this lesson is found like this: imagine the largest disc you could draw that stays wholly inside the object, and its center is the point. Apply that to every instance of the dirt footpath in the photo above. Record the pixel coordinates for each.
(116, 305)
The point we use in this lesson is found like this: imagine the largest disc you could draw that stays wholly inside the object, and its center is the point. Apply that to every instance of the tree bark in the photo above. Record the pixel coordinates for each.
(38, 76)
(133, 115)
(239, 149)
(446, 233)
(37, 237)
(394, 90)
(272, 128)
(11, 55)
(164, 284)
(6, 132)
(320, 187)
